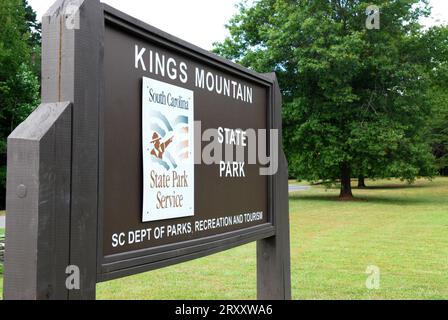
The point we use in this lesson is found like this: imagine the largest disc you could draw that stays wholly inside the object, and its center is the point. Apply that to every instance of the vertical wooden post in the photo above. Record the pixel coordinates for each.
(72, 39)
(38, 205)
(53, 165)
(273, 254)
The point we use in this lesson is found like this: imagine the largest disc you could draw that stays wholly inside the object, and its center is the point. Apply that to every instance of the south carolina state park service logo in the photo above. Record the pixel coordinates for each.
(168, 148)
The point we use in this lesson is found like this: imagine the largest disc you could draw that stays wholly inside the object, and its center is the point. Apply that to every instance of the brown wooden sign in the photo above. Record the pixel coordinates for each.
(155, 158)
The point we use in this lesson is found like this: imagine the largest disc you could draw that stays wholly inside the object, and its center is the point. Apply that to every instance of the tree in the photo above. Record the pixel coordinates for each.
(34, 28)
(361, 182)
(436, 43)
(19, 86)
(354, 99)
(439, 128)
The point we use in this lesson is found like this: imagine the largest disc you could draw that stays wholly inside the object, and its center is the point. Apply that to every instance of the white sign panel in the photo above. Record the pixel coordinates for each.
(168, 151)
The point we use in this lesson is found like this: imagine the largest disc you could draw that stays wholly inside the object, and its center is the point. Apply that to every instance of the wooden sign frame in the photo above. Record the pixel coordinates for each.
(55, 173)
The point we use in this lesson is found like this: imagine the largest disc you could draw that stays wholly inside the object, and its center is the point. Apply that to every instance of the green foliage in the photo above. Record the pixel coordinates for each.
(20, 94)
(353, 97)
(436, 42)
(33, 26)
(19, 85)
(438, 126)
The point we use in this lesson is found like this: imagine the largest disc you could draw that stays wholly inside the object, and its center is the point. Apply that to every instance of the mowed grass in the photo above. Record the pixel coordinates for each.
(401, 229)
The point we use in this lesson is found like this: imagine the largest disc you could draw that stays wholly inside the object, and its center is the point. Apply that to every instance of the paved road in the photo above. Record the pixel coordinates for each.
(298, 188)
(2, 222)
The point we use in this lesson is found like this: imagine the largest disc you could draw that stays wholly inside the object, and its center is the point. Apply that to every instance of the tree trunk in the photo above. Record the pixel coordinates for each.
(362, 182)
(346, 187)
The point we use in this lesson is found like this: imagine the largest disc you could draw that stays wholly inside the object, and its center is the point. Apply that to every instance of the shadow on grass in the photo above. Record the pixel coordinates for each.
(401, 201)
(387, 187)
(395, 187)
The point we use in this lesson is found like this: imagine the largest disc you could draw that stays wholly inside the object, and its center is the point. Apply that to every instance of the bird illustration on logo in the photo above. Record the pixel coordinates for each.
(164, 151)
(159, 148)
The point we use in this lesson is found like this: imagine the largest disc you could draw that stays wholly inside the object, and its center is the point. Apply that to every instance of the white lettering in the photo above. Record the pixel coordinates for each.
(139, 58)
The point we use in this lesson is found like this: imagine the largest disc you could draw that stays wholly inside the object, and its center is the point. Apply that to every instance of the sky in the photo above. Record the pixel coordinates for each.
(201, 22)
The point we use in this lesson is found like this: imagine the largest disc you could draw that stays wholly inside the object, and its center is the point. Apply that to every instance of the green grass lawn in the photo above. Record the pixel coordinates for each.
(401, 229)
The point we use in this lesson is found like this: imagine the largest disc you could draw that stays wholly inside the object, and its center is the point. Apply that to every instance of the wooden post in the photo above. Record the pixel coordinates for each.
(38, 205)
(72, 54)
(72, 42)
(273, 254)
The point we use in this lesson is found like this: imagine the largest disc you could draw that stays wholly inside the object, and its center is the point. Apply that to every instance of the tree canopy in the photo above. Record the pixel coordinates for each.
(436, 43)
(355, 99)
